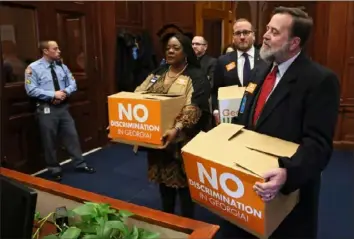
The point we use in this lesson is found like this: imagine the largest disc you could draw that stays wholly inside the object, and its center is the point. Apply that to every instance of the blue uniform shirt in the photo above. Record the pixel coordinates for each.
(39, 81)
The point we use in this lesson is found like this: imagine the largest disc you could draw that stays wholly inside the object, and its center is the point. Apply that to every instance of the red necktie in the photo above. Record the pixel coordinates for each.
(267, 88)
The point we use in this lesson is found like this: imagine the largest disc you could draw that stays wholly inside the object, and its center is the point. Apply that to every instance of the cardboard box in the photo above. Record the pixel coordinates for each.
(142, 119)
(222, 166)
(229, 100)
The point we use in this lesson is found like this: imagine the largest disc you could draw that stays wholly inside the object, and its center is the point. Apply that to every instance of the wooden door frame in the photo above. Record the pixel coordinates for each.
(206, 13)
(2, 84)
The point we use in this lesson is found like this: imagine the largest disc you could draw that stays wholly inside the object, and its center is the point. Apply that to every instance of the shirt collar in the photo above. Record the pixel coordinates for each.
(285, 65)
(250, 52)
(46, 63)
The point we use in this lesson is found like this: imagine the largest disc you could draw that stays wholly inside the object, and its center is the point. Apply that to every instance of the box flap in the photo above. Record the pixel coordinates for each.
(230, 92)
(235, 147)
(254, 161)
(144, 95)
(229, 155)
(225, 131)
(271, 145)
(216, 153)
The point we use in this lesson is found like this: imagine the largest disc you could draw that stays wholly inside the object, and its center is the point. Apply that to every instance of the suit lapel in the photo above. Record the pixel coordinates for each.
(261, 71)
(280, 91)
(257, 58)
(234, 58)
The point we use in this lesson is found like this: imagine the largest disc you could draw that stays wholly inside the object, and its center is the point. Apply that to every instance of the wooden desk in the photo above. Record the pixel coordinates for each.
(52, 195)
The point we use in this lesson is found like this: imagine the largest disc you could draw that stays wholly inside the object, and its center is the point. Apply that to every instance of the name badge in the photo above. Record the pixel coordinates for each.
(251, 87)
(230, 66)
(46, 110)
(243, 104)
(181, 81)
(154, 79)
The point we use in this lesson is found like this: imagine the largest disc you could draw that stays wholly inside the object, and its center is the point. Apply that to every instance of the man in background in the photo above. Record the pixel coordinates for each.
(200, 46)
(50, 83)
(235, 68)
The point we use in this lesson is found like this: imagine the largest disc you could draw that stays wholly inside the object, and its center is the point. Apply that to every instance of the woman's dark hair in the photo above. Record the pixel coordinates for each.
(187, 49)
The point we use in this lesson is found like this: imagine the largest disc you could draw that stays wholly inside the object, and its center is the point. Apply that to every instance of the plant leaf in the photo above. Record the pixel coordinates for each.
(86, 210)
(53, 236)
(116, 224)
(86, 227)
(135, 233)
(88, 236)
(124, 213)
(71, 233)
(149, 235)
(37, 216)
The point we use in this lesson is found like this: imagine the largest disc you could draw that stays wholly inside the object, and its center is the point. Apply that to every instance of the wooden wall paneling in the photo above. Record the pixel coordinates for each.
(154, 20)
(160, 13)
(106, 57)
(180, 13)
(219, 12)
(335, 38)
(74, 31)
(2, 83)
(129, 13)
(22, 149)
(348, 74)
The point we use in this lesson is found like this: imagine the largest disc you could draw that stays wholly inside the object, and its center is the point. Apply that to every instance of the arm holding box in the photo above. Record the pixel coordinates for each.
(197, 100)
(315, 150)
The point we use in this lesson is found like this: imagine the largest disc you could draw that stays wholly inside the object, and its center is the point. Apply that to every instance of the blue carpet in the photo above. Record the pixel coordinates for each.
(123, 175)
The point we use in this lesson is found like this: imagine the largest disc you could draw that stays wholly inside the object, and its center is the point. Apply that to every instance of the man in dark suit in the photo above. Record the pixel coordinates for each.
(207, 63)
(200, 46)
(234, 68)
(292, 98)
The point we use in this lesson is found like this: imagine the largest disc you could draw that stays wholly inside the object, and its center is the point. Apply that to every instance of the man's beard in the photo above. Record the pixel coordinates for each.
(243, 47)
(276, 55)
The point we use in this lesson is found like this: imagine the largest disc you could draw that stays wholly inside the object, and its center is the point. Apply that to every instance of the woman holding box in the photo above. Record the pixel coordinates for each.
(180, 75)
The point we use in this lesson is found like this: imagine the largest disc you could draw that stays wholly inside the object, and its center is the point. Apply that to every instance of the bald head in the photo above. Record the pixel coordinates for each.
(199, 45)
(50, 50)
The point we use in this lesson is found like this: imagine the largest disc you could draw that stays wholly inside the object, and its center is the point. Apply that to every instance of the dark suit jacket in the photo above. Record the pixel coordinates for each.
(208, 65)
(224, 77)
(303, 108)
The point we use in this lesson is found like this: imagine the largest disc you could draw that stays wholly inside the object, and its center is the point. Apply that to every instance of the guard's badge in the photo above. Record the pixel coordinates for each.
(28, 81)
(28, 71)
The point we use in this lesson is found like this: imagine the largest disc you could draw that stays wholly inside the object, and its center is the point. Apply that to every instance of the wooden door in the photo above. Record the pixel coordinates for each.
(218, 15)
(26, 23)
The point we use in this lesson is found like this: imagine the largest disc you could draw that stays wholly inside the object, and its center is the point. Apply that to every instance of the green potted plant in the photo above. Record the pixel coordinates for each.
(95, 221)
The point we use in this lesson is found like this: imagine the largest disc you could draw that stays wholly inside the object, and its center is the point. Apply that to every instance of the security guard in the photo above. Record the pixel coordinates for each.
(50, 83)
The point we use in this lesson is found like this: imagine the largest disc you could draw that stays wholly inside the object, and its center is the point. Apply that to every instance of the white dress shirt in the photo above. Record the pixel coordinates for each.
(241, 62)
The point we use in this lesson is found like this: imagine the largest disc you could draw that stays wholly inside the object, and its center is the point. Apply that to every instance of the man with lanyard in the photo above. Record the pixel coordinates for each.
(235, 68)
(50, 83)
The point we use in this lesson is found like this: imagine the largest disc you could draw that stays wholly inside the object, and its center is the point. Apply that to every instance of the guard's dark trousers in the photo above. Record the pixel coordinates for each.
(58, 122)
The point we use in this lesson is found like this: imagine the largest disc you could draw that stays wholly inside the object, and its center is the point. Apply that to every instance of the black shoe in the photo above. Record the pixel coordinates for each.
(57, 176)
(86, 169)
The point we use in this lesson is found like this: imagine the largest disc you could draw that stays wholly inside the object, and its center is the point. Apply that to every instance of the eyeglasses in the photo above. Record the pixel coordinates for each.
(246, 33)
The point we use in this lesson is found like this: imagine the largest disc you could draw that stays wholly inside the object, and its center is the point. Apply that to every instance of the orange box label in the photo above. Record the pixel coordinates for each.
(227, 191)
(135, 119)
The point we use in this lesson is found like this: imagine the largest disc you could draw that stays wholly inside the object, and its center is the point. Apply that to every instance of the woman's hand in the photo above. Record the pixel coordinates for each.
(169, 136)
